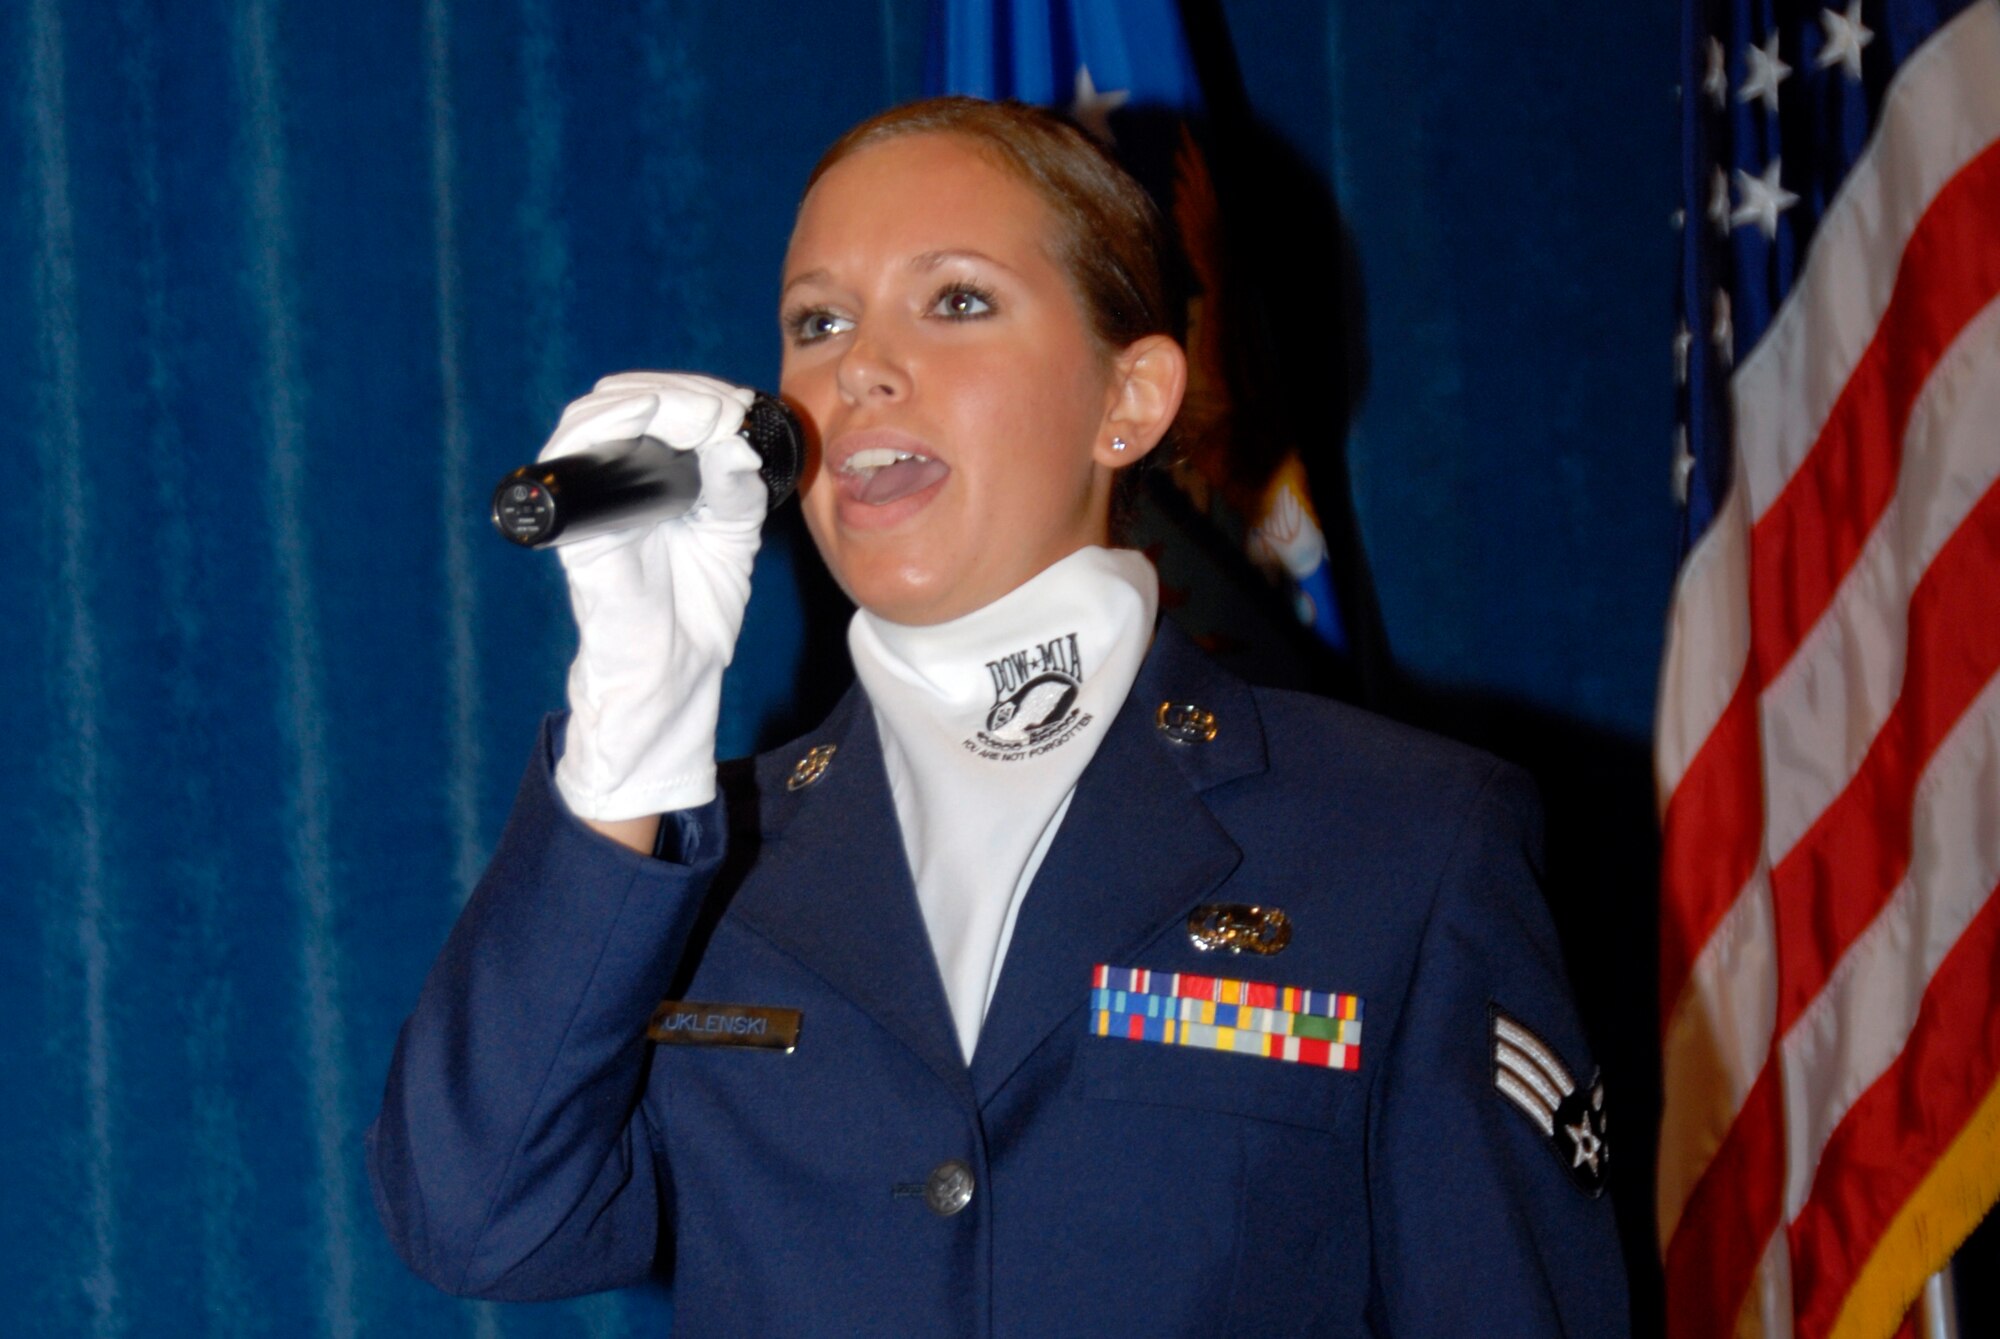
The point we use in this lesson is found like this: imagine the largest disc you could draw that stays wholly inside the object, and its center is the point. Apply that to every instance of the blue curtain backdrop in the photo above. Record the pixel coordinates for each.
(287, 285)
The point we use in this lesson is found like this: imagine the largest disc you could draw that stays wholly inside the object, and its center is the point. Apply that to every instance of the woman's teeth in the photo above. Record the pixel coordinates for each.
(875, 458)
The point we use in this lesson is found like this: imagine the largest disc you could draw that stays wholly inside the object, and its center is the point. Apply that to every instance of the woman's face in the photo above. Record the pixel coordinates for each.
(961, 403)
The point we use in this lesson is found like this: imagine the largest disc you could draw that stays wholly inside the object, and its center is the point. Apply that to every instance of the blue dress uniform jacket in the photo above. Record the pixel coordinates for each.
(533, 1144)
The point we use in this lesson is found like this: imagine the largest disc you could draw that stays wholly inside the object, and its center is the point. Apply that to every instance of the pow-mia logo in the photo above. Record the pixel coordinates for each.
(1034, 702)
(1528, 1074)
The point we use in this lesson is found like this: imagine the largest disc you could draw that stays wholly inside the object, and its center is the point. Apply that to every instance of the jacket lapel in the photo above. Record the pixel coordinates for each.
(1136, 852)
(832, 889)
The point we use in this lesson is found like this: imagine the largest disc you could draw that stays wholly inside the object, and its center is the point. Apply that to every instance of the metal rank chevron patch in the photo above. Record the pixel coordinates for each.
(1289, 1023)
(1528, 1073)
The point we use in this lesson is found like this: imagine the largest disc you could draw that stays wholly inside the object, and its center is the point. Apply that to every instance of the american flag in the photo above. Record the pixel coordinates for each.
(1829, 734)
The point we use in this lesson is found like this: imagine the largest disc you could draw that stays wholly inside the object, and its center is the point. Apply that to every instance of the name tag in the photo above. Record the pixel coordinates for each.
(685, 1023)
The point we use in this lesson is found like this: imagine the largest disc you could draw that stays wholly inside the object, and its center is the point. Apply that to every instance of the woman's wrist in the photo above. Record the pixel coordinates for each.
(639, 834)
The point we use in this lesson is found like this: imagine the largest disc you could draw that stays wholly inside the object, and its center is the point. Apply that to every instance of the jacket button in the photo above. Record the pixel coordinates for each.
(949, 1188)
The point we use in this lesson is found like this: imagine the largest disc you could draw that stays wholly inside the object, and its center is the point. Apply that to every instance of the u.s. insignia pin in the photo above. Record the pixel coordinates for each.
(1239, 928)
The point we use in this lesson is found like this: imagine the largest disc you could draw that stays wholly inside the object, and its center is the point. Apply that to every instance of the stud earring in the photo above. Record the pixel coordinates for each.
(1119, 444)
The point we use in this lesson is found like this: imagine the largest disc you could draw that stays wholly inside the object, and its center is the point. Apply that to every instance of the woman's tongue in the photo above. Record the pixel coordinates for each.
(904, 477)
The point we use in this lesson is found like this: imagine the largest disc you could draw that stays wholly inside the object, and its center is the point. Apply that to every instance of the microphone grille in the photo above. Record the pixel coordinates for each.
(774, 433)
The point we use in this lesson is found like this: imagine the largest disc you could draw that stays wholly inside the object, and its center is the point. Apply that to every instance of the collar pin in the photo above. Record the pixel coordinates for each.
(1185, 723)
(811, 767)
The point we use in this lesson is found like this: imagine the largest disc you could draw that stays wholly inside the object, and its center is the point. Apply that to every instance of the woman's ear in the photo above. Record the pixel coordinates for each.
(1149, 377)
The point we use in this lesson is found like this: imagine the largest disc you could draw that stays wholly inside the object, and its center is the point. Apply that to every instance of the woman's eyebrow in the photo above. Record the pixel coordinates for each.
(808, 277)
(921, 263)
(926, 261)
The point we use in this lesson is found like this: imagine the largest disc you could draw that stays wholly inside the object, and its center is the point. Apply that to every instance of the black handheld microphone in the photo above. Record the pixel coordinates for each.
(638, 481)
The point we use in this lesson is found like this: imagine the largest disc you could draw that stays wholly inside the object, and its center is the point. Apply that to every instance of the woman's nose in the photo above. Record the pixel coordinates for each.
(871, 368)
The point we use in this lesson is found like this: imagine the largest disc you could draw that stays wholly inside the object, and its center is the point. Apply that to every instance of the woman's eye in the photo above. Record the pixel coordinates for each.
(962, 302)
(809, 327)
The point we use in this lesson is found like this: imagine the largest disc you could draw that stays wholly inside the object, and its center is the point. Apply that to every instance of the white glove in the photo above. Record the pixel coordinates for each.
(657, 607)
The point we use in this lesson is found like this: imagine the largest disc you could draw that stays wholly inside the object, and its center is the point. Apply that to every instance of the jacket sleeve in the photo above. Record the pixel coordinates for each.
(1486, 1219)
(511, 1158)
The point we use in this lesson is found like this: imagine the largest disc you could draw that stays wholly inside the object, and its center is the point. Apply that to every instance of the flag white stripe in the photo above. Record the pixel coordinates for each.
(1821, 714)
(1767, 1309)
(1941, 111)
(1715, 1044)
(1708, 641)
(1859, 1024)
(1943, 108)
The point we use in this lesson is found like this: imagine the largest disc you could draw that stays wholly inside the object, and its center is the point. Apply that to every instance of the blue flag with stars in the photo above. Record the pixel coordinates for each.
(1087, 58)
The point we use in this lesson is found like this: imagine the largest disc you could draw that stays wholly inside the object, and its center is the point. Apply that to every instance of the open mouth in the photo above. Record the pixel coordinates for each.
(879, 475)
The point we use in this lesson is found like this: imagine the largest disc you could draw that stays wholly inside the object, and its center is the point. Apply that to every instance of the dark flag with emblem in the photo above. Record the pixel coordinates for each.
(1828, 751)
(1244, 558)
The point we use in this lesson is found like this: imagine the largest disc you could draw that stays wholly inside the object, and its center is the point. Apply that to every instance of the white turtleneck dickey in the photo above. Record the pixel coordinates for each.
(987, 722)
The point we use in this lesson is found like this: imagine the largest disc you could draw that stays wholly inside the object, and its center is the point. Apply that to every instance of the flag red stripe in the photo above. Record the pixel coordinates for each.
(1729, 1220)
(1709, 839)
(1900, 1126)
(1831, 885)
(1805, 542)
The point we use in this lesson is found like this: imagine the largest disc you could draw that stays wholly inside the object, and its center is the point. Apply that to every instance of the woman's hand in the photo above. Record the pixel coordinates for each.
(658, 607)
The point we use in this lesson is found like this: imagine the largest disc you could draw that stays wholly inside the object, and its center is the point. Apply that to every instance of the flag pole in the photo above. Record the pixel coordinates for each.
(1937, 1306)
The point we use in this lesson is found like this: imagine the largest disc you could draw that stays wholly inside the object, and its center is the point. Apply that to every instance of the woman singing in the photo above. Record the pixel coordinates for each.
(1059, 983)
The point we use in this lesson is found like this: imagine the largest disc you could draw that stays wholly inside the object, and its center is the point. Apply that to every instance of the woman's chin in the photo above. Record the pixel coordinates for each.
(918, 584)
(907, 592)
(904, 566)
